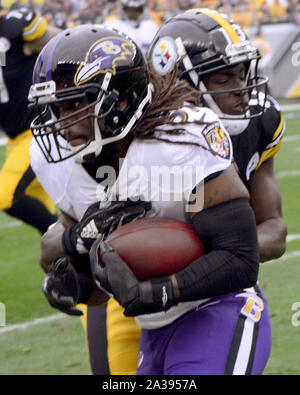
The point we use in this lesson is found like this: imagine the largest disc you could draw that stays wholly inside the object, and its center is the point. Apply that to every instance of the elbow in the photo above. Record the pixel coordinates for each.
(249, 269)
(279, 250)
(277, 245)
(281, 244)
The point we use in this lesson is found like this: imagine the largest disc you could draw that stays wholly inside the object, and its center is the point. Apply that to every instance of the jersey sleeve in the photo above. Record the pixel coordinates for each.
(26, 23)
(71, 188)
(204, 149)
(206, 131)
(274, 129)
(51, 177)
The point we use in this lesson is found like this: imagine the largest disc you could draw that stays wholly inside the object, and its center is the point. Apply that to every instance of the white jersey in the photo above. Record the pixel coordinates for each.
(142, 34)
(67, 183)
(166, 173)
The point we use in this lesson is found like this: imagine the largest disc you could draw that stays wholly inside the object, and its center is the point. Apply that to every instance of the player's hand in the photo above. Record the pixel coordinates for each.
(113, 276)
(61, 287)
(98, 222)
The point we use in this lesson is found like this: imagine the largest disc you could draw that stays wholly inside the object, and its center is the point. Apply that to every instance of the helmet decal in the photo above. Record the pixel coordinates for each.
(104, 56)
(232, 29)
(164, 55)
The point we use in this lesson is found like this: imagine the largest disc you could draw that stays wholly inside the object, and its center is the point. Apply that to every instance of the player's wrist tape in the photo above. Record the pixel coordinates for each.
(159, 293)
(68, 245)
(81, 262)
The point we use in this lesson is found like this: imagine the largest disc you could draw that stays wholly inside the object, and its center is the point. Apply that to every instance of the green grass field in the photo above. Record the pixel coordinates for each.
(58, 346)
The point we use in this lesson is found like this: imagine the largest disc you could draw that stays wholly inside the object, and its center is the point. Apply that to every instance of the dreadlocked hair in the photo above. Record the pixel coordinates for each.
(169, 95)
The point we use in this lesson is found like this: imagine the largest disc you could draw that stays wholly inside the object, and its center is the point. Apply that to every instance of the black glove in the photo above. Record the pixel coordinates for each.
(98, 223)
(113, 276)
(61, 287)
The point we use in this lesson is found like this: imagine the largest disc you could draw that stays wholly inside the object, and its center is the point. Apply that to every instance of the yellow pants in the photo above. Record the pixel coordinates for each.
(13, 172)
(123, 337)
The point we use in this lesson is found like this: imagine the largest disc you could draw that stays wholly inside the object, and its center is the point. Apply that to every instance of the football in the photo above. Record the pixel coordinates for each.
(156, 246)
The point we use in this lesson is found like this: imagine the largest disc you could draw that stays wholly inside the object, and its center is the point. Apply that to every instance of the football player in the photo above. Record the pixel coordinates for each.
(22, 34)
(102, 109)
(216, 58)
(135, 22)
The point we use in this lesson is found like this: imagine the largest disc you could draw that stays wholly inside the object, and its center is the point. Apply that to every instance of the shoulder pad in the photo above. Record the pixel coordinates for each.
(273, 127)
(194, 113)
(211, 131)
(273, 123)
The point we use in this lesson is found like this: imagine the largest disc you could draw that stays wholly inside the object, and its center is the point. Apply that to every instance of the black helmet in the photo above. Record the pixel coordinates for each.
(96, 66)
(203, 42)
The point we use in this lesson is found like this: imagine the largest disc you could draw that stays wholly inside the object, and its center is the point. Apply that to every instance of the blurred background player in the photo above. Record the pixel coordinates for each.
(135, 22)
(123, 107)
(22, 34)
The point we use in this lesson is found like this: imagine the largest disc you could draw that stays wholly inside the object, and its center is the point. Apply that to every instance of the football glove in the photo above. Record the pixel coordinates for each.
(113, 276)
(61, 287)
(98, 223)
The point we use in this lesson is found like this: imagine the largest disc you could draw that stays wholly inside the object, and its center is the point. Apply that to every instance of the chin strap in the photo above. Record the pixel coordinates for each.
(186, 61)
(95, 146)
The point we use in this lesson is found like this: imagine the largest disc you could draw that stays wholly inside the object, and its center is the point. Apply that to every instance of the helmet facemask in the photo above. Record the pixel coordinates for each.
(255, 85)
(99, 106)
(50, 128)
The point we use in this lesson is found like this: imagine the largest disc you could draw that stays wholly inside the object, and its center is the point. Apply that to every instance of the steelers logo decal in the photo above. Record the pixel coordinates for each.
(164, 55)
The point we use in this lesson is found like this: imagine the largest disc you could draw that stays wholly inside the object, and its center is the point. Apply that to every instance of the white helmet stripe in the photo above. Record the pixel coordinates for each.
(95, 146)
(186, 61)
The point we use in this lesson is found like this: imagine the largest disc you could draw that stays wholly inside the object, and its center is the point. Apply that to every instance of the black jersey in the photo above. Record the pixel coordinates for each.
(260, 141)
(16, 28)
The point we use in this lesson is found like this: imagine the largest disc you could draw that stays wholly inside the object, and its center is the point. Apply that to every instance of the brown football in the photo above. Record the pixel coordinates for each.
(156, 246)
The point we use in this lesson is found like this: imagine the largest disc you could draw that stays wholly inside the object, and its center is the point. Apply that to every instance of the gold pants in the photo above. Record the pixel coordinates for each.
(17, 162)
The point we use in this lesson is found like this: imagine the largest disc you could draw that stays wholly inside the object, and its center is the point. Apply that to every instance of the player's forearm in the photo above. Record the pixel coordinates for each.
(232, 259)
(271, 239)
(51, 242)
(51, 246)
(97, 297)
